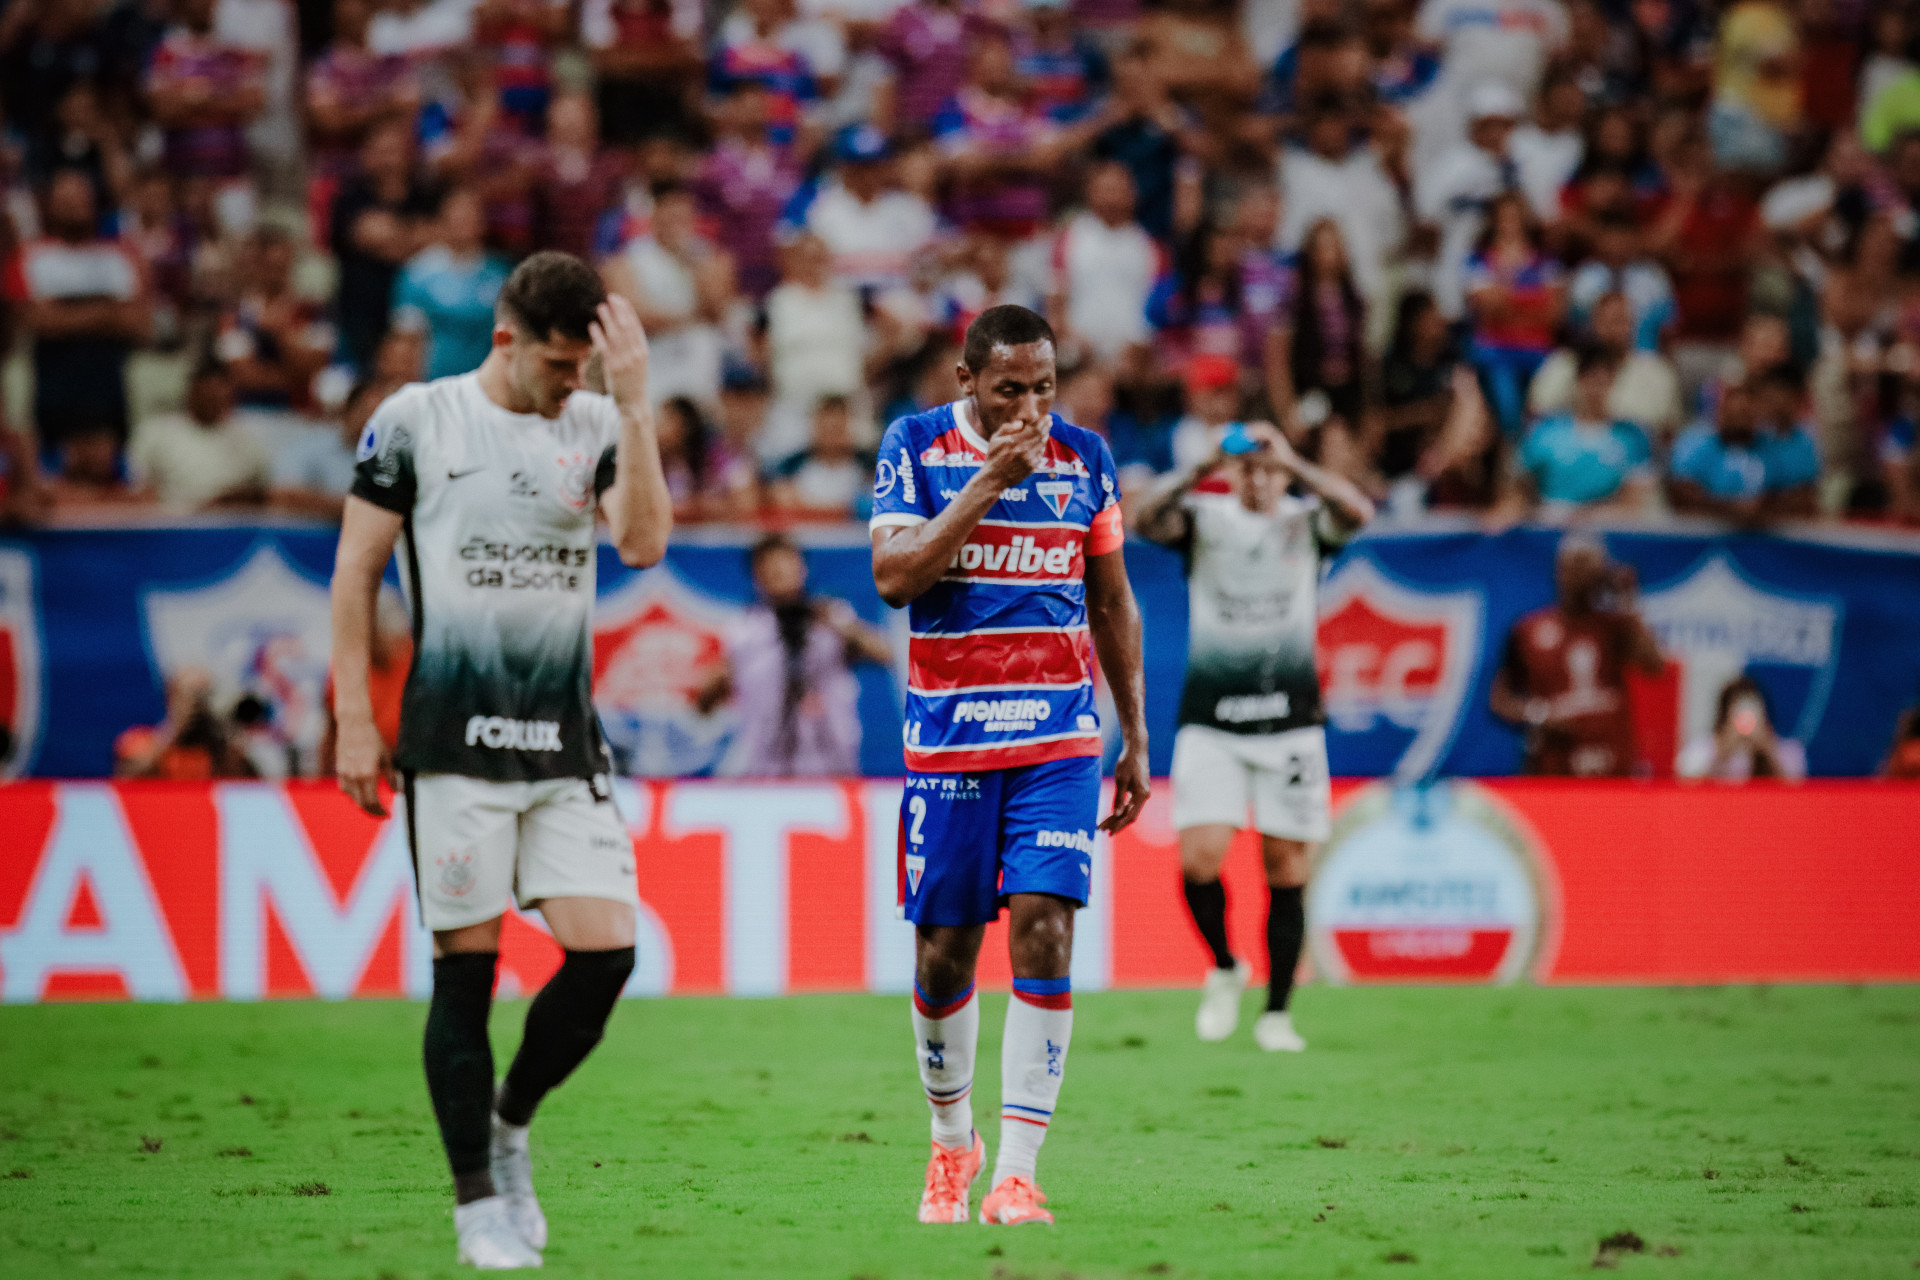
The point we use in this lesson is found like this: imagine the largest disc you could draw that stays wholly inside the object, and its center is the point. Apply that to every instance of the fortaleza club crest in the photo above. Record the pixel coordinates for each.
(262, 628)
(1716, 623)
(1396, 664)
(1436, 883)
(1056, 493)
(656, 642)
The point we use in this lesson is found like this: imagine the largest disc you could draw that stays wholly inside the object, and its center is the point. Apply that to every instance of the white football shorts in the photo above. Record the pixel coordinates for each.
(1282, 777)
(480, 845)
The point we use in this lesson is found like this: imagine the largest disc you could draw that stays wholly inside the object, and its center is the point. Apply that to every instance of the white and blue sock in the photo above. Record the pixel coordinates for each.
(946, 1033)
(1033, 1061)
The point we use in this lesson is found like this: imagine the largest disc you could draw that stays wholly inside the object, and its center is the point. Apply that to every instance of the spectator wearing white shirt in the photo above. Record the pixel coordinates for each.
(1743, 744)
(204, 457)
(680, 285)
(873, 229)
(1454, 192)
(1507, 42)
(1548, 148)
(1104, 266)
(1328, 176)
(816, 348)
(1645, 387)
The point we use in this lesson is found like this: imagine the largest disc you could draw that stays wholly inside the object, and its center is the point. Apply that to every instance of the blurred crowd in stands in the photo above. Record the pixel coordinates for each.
(1512, 256)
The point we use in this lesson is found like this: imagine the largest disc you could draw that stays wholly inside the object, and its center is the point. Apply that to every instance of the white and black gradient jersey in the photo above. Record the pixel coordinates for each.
(497, 556)
(1252, 582)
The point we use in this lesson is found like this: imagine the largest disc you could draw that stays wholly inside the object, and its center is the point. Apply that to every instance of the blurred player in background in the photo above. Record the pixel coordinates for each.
(1251, 721)
(1000, 524)
(491, 481)
(1564, 677)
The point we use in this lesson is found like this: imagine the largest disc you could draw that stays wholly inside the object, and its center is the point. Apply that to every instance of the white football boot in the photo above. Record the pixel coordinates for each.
(513, 1181)
(488, 1241)
(1273, 1031)
(1220, 1002)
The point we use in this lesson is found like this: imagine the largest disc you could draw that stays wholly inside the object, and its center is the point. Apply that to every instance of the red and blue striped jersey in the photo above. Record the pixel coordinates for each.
(1000, 663)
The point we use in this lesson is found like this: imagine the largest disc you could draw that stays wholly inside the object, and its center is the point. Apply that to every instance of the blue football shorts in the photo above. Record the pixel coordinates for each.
(969, 841)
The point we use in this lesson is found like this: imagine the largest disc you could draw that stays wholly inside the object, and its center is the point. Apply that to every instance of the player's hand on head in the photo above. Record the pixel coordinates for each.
(360, 762)
(1131, 788)
(1275, 441)
(620, 341)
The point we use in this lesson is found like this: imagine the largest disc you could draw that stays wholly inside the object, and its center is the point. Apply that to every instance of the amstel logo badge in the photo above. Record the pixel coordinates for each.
(1424, 884)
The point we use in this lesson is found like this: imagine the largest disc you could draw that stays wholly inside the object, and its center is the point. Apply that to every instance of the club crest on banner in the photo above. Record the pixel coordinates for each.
(1715, 622)
(1431, 883)
(19, 664)
(263, 628)
(656, 640)
(1396, 663)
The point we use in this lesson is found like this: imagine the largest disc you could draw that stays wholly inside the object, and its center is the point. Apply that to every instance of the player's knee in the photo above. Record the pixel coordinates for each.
(1203, 851)
(1288, 861)
(1043, 939)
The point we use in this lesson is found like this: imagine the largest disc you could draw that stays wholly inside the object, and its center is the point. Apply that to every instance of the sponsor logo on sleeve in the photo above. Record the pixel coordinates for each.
(884, 477)
(907, 492)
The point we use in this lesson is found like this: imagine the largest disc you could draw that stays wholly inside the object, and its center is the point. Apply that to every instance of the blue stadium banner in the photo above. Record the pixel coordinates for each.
(1413, 622)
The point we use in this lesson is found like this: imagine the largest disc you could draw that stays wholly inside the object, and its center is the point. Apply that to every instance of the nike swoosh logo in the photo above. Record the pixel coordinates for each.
(457, 475)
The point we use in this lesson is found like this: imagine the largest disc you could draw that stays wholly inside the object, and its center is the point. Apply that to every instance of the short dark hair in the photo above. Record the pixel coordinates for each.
(767, 544)
(1003, 326)
(1589, 356)
(553, 293)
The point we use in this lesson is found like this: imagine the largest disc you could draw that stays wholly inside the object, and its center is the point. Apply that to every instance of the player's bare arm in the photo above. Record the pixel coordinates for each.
(367, 535)
(638, 508)
(1113, 616)
(1163, 518)
(1644, 648)
(1346, 504)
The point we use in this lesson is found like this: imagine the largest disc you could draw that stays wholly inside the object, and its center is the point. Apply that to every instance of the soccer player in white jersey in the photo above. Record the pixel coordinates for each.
(490, 483)
(1250, 716)
(998, 525)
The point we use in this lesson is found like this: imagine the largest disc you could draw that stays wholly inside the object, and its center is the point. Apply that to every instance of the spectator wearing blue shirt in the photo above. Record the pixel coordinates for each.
(1736, 469)
(1786, 445)
(447, 290)
(1585, 459)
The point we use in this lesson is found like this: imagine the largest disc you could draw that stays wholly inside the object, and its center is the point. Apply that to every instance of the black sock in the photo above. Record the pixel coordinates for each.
(1208, 905)
(1286, 928)
(460, 1066)
(563, 1025)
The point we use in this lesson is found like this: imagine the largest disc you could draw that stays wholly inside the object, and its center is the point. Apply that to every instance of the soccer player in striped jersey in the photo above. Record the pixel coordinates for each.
(999, 526)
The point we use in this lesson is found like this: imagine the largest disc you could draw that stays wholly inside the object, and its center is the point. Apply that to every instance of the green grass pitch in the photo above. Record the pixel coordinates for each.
(1736, 1132)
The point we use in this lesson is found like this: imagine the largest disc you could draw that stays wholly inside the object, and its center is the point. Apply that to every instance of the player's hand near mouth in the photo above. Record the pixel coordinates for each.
(1015, 452)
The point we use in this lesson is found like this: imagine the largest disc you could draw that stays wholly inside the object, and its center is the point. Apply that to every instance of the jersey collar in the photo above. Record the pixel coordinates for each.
(964, 422)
